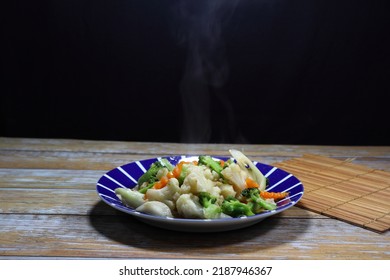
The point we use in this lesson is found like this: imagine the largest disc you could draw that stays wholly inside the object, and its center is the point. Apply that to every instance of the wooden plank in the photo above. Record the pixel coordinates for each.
(156, 148)
(81, 160)
(65, 160)
(97, 236)
(105, 155)
(46, 178)
(46, 201)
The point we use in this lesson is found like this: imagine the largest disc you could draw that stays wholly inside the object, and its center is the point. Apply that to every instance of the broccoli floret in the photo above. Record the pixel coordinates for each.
(151, 173)
(148, 186)
(234, 208)
(150, 176)
(231, 198)
(253, 194)
(211, 163)
(210, 208)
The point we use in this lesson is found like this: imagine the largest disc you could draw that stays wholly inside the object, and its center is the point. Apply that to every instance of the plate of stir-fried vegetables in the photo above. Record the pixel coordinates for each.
(200, 193)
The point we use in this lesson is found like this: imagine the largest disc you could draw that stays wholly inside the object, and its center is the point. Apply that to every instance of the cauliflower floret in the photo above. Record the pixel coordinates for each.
(161, 173)
(130, 197)
(168, 195)
(155, 208)
(236, 176)
(188, 206)
(198, 180)
(208, 173)
(227, 190)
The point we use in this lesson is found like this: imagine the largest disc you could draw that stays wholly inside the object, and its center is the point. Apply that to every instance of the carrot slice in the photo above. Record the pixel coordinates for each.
(162, 183)
(274, 195)
(177, 170)
(251, 183)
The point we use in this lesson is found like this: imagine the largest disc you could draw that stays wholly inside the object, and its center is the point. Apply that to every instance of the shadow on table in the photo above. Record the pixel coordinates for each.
(123, 228)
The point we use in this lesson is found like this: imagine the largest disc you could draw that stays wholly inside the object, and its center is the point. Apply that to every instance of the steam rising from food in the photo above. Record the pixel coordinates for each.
(206, 68)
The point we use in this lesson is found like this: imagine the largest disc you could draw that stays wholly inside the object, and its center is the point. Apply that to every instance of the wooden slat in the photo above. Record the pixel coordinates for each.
(46, 178)
(155, 148)
(105, 155)
(45, 201)
(65, 160)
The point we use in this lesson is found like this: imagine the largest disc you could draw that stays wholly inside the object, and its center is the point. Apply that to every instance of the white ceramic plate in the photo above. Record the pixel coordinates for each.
(128, 174)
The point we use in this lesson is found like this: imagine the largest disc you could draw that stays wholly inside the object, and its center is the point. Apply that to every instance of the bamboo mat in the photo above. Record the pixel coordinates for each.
(343, 190)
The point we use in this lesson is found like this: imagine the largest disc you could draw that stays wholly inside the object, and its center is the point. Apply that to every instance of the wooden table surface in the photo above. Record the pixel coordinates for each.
(49, 207)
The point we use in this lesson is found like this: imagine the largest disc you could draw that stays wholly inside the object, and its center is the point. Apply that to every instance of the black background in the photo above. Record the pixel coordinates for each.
(300, 72)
